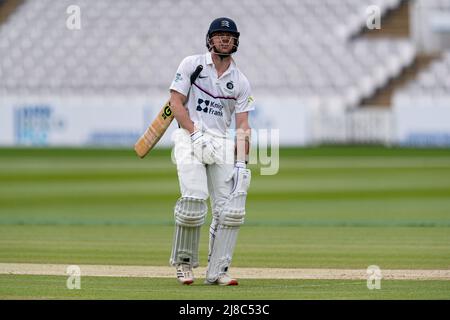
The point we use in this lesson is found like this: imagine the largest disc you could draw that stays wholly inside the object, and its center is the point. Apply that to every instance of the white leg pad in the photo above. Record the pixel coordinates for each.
(225, 236)
(189, 215)
(212, 234)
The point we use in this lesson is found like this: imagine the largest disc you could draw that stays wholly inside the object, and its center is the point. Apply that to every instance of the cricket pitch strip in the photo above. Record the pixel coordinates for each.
(242, 273)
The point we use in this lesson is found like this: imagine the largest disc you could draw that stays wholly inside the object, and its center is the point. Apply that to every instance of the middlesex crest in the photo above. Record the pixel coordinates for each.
(229, 87)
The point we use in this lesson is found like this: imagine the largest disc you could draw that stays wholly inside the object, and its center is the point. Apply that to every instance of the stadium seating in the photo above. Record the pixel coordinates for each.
(303, 48)
(438, 4)
(431, 85)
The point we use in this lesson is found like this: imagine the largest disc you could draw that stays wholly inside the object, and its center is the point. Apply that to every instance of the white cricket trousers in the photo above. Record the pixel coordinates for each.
(198, 180)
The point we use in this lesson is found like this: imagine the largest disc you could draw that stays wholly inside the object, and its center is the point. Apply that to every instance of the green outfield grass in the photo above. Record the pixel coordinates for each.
(54, 287)
(259, 246)
(327, 207)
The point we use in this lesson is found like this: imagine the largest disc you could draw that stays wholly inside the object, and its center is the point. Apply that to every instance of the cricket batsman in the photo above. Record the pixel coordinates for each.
(210, 162)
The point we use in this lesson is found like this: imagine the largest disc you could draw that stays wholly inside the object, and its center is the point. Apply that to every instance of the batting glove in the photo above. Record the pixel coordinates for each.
(203, 147)
(241, 177)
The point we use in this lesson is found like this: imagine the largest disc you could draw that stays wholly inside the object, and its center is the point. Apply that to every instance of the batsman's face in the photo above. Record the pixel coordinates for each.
(223, 41)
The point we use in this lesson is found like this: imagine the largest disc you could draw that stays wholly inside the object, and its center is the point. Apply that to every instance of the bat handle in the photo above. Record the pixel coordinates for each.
(196, 73)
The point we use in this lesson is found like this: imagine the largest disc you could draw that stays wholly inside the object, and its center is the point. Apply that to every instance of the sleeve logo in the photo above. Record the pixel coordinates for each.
(178, 77)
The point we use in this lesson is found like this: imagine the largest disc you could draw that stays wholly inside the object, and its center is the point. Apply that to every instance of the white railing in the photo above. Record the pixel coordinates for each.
(372, 125)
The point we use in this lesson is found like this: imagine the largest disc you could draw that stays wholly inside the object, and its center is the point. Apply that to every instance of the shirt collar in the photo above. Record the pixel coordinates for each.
(209, 58)
(210, 61)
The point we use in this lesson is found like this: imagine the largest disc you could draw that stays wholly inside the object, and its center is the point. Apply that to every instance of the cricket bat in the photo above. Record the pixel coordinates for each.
(159, 126)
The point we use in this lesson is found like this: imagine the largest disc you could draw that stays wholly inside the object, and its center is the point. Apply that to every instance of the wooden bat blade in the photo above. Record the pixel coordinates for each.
(154, 131)
(157, 128)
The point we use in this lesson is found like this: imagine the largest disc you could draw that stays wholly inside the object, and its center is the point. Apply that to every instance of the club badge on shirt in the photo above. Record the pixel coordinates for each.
(229, 87)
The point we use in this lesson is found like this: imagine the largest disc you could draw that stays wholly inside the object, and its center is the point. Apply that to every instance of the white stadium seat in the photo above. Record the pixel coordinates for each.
(137, 46)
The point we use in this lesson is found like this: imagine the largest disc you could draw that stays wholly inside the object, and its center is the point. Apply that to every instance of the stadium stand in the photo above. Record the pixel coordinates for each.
(397, 23)
(434, 80)
(432, 83)
(307, 48)
(7, 7)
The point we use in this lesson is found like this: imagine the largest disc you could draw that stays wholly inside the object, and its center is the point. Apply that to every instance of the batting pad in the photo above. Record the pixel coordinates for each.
(189, 214)
(223, 241)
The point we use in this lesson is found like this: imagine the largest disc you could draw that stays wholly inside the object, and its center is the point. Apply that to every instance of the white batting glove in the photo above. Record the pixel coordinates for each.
(203, 147)
(241, 177)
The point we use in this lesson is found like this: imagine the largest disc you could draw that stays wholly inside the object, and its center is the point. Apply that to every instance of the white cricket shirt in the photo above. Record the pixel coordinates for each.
(211, 101)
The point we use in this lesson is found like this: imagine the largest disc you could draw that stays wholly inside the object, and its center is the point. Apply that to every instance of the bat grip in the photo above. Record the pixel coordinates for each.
(196, 73)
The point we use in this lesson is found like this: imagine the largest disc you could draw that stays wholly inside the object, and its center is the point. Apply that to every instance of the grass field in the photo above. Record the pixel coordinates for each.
(328, 207)
(54, 287)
